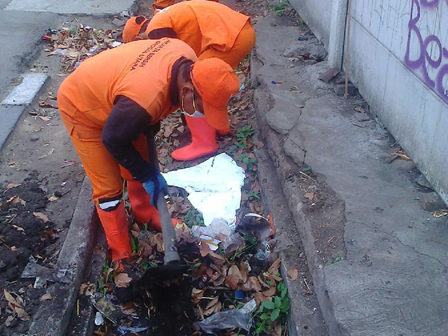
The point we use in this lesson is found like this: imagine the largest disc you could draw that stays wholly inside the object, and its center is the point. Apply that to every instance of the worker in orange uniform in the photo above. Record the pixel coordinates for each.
(160, 5)
(111, 99)
(212, 30)
(135, 29)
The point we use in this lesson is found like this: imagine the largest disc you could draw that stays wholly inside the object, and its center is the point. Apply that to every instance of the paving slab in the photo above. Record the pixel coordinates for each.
(9, 116)
(26, 92)
(89, 7)
(390, 276)
(13, 106)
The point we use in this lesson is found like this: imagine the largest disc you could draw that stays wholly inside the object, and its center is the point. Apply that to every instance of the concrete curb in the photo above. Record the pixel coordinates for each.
(286, 170)
(282, 166)
(53, 316)
(305, 316)
(18, 101)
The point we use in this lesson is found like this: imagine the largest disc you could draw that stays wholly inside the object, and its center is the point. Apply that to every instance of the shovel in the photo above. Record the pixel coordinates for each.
(172, 263)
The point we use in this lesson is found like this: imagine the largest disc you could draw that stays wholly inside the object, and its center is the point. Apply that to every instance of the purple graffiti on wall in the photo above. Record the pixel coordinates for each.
(424, 60)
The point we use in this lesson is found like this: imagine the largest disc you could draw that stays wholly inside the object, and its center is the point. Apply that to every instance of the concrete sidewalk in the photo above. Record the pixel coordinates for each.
(379, 261)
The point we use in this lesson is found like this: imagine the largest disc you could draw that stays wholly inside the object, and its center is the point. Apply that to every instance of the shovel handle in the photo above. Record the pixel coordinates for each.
(168, 232)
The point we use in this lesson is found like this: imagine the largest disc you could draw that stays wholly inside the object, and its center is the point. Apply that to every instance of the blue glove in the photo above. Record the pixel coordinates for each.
(154, 186)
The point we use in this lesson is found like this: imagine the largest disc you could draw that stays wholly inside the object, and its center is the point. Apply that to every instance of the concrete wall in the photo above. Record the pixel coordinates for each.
(317, 15)
(399, 62)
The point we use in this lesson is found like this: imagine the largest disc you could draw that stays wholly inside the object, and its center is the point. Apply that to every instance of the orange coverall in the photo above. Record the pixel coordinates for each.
(210, 28)
(141, 72)
(160, 4)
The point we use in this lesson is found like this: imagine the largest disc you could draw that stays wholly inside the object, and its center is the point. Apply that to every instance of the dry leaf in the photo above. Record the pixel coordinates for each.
(45, 297)
(18, 228)
(16, 200)
(206, 251)
(309, 196)
(234, 277)
(87, 288)
(270, 277)
(145, 249)
(41, 216)
(213, 307)
(16, 305)
(196, 295)
(293, 273)
(10, 298)
(277, 331)
(259, 145)
(13, 185)
(157, 240)
(264, 284)
(53, 198)
(359, 109)
(270, 292)
(45, 118)
(198, 271)
(255, 284)
(244, 271)
(259, 298)
(122, 280)
(232, 281)
(212, 303)
(129, 309)
(218, 307)
(276, 277)
(274, 267)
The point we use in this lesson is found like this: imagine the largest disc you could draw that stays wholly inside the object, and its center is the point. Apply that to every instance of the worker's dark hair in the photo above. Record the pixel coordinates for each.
(143, 28)
(139, 19)
(185, 71)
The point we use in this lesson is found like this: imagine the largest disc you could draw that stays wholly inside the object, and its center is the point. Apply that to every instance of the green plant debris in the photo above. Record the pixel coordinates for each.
(245, 133)
(332, 261)
(193, 217)
(271, 312)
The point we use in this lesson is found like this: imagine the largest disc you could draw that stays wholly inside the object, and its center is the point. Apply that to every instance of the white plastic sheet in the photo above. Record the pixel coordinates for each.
(214, 187)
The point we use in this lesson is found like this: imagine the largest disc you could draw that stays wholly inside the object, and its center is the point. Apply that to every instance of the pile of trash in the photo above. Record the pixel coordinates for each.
(230, 283)
(75, 42)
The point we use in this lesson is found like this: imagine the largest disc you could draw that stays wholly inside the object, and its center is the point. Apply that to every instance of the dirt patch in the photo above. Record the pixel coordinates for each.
(24, 231)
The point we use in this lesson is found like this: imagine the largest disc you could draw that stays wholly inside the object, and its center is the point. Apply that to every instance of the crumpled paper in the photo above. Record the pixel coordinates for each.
(214, 187)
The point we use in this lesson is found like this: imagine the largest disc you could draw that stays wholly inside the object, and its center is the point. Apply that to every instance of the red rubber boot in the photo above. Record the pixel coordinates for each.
(203, 140)
(116, 228)
(140, 203)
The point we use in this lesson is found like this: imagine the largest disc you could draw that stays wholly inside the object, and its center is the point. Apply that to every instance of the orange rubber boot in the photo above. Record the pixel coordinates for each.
(203, 140)
(116, 228)
(140, 203)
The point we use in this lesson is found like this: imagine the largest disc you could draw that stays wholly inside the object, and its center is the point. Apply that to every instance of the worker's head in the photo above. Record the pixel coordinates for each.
(135, 29)
(209, 87)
